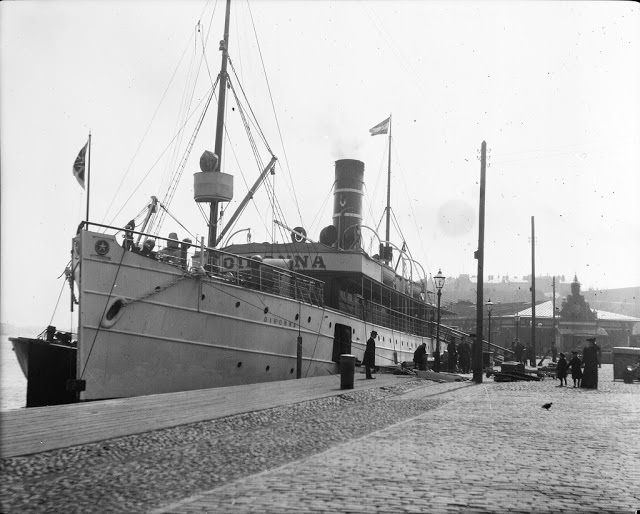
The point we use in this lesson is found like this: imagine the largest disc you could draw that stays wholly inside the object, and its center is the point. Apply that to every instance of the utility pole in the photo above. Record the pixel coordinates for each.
(477, 345)
(553, 306)
(532, 358)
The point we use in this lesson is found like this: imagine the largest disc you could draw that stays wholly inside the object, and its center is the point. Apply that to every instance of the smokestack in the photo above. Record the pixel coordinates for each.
(347, 202)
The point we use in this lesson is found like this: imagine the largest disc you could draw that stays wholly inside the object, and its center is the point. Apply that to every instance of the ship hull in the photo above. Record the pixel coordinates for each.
(148, 327)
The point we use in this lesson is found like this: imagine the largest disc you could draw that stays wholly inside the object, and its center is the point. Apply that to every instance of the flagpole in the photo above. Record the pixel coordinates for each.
(387, 252)
(88, 180)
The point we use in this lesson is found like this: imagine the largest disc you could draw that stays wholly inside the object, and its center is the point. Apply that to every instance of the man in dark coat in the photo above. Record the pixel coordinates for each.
(369, 358)
(464, 356)
(599, 352)
(452, 354)
(590, 361)
(420, 357)
(518, 349)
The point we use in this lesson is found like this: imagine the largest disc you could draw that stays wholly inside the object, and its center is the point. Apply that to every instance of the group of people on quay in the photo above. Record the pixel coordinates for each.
(456, 358)
(584, 372)
(522, 354)
(583, 368)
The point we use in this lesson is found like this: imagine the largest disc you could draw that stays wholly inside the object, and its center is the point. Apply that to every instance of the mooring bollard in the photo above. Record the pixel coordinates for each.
(347, 370)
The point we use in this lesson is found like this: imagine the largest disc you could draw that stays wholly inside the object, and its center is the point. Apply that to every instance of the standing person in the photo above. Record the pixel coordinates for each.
(452, 355)
(561, 370)
(420, 357)
(369, 359)
(599, 352)
(128, 235)
(464, 356)
(554, 351)
(590, 360)
(576, 369)
(518, 349)
(524, 355)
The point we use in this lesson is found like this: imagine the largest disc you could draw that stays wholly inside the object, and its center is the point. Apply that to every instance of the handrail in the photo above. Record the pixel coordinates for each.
(447, 332)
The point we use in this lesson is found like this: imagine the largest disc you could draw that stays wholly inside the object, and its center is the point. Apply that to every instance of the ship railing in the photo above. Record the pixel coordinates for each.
(243, 271)
(397, 320)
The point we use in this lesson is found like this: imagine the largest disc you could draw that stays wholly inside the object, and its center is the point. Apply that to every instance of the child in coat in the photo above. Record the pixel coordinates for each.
(561, 370)
(576, 369)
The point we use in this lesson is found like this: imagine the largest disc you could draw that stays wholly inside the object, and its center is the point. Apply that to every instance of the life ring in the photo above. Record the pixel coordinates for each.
(113, 312)
(298, 235)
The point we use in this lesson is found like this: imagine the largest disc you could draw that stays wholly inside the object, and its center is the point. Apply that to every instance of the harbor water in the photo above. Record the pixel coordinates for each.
(13, 384)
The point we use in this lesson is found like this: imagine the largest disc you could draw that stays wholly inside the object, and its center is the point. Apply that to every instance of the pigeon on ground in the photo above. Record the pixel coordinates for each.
(547, 405)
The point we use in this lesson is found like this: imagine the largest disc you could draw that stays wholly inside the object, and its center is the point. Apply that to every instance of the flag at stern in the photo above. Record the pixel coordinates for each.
(381, 128)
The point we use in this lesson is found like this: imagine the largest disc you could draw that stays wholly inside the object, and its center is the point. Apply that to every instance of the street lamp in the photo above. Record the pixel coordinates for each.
(439, 282)
(489, 307)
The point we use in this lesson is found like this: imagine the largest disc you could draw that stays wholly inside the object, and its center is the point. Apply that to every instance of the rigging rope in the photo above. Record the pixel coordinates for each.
(286, 158)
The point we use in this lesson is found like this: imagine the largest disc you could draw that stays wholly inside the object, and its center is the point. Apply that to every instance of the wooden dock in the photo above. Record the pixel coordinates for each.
(38, 429)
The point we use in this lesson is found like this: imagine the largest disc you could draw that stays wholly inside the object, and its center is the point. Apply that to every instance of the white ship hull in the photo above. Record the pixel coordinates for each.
(148, 327)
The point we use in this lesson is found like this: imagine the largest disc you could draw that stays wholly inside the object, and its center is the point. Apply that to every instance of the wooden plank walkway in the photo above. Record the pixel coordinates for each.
(28, 431)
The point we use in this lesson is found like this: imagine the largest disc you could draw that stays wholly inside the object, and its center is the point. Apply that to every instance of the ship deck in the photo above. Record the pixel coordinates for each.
(38, 429)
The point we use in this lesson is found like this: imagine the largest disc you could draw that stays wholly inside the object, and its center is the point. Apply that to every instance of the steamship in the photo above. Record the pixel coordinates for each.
(159, 315)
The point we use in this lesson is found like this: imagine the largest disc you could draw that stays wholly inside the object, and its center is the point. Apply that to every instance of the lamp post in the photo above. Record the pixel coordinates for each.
(489, 307)
(439, 282)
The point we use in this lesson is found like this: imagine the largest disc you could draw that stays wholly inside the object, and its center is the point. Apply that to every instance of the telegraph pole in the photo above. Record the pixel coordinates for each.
(532, 358)
(477, 345)
(553, 286)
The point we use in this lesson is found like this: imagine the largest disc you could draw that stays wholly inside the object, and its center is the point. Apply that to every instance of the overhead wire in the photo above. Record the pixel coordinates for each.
(146, 132)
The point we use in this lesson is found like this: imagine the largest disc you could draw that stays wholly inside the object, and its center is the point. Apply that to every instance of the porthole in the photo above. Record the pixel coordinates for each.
(266, 309)
(113, 312)
(329, 324)
(291, 371)
(267, 368)
(157, 288)
(309, 319)
(297, 317)
(239, 364)
(202, 297)
(237, 304)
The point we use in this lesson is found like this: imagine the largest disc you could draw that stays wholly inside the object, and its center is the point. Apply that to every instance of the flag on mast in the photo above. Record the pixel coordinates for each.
(381, 128)
(79, 165)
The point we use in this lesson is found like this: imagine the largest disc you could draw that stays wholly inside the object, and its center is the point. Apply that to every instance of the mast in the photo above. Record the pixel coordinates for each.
(224, 47)
(387, 252)
(88, 178)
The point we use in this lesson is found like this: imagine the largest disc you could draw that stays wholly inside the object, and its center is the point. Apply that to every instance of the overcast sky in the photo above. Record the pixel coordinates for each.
(552, 87)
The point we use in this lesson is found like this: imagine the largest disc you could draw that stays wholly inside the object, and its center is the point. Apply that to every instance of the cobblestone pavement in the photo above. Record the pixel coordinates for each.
(139, 472)
(420, 447)
(489, 448)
